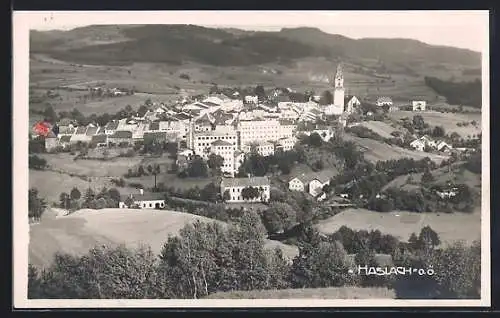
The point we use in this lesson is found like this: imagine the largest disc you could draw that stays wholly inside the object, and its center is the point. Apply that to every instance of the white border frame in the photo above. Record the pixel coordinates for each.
(23, 21)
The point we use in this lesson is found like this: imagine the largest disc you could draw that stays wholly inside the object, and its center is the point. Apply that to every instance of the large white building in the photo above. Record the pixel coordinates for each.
(202, 141)
(235, 188)
(252, 131)
(226, 150)
(263, 148)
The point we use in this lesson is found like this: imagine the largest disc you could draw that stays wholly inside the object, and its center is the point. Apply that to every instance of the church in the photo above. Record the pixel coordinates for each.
(341, 102)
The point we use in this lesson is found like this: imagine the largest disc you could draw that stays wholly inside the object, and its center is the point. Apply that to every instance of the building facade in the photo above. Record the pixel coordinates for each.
(237, 189)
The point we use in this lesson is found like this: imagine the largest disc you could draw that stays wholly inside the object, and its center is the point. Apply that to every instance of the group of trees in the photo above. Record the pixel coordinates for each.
(106, 198)
(196, 168)
(205, 258)
(36, 205)
(37, 163)
(457, 93)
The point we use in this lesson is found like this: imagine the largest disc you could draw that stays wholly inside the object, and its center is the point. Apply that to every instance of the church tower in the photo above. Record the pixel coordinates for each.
(339, 92)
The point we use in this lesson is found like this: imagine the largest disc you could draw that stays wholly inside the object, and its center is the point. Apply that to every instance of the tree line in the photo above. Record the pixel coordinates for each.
(210, 257)
(457, 93)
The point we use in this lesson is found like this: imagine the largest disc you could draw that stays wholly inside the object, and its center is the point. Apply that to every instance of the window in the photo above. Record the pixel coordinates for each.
(151, 205)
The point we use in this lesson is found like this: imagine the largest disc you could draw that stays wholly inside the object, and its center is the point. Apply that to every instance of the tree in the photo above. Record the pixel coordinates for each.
(260, 92)
(143, 109)
(50, 115)
(458, 270)
(438, 132)
(250, 193)
(197, 168)
(65, 199)
(428, 237)
(418, 122)
(315, 140)
(327, 265)
(37, 163)
(103, 273)
(226, 196)
(326, 98)
(210, 192)
(427, 177)
(215, 162)
(279, 217)
(140, 171)
(75, 194)
(129, 202)
(36, 205)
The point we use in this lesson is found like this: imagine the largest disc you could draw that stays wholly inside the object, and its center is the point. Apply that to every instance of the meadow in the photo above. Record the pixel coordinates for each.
(305, 293)
(78, 232)
(376, 150)
(448, 121)
(401, 224)
(379, 127)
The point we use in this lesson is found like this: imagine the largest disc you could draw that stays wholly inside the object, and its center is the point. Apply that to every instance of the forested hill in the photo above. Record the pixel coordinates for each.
(457, 93)
(220, 47)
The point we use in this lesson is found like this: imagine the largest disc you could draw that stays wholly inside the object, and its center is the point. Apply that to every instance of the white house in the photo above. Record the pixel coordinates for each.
(384, 101)
(311, 183)
(443, 146)
(419, 105)
(143, 200)
(235, 188)
(263, 148)
(251, 99)
(350, 103)
(418, 144)
(286, 144)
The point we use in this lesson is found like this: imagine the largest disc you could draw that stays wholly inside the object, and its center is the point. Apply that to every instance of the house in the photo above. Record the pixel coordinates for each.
(234, 189)
(225, 150)
(350, 103)
(286, 144)
(51, 141)
(263, 148)
(384, 101)
(418, 105)
(65, 141)
(111, 127)
(443, 146)
(418, 144)
(120, 137)
(143, 200)
(312, 182)
(393, 108)
(99, 140)
(251, 99)
(80, 135)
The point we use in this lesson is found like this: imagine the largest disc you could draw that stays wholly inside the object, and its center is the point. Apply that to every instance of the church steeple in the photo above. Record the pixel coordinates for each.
(339, 77)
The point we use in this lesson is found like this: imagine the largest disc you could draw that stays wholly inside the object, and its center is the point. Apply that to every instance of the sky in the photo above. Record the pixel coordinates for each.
(463, 29)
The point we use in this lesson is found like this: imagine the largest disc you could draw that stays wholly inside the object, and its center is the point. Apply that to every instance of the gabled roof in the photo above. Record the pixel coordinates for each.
(147, 196)
(245, 182)
(384, 99)
(92, 131)
(99, 139)
(121, 134)
(81, 130)
(323, 176)
(154, 126)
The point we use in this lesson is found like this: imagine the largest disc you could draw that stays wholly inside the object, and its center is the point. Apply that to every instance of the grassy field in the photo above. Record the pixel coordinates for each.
(115, 167)
(51, 184)
(441, 175)
(316, 293)
(375, 151)
(450, 227)
(379, 127)
(82, 230)
(449, 121)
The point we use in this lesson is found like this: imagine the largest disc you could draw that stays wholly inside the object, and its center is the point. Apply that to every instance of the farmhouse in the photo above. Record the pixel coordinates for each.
(444, 147)
(255, 189)
(143, 200)
(418, 144)
(111, 127)
(311, 183)
(384, 101)
(418, 105)
(51, 141)
(350, 102)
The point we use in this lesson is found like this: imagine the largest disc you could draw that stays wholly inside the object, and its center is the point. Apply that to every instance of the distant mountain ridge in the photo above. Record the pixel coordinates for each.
(176, 44)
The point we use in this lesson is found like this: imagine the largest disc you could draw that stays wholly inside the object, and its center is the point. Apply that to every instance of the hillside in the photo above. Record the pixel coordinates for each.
(176, 44)
(316, 293)
(82, 230)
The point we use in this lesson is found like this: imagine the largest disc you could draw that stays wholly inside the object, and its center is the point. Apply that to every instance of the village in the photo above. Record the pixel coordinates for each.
(230, 128)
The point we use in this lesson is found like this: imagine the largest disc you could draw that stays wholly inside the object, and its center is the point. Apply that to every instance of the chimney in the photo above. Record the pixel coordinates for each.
(141, 191)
